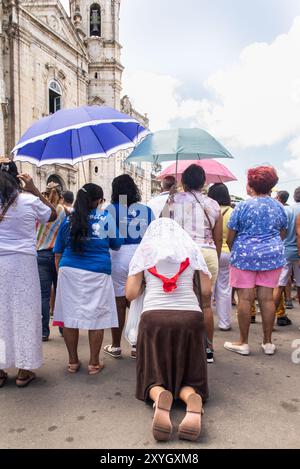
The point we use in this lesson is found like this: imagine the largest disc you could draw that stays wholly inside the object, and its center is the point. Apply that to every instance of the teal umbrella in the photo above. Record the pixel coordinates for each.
(178, 144)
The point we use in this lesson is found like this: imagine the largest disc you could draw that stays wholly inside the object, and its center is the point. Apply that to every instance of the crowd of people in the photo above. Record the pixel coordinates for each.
(184, 254)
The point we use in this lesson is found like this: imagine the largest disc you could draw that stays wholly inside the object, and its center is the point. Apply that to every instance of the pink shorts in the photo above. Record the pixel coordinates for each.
(251, 279)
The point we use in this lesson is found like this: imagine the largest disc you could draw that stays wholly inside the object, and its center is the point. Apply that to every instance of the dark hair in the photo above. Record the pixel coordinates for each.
(193, 178)
(283, 196)
(220, 193)
(262, 179)
(297, 195)
(11, 168)
(168, 182)
(68, 197)
(88, 194)
(124, 185)
(9, 190)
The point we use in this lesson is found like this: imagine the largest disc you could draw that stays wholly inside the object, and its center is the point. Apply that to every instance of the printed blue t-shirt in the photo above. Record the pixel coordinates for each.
(102, 236)
(132, 222)
(258, 245)
(290, 242)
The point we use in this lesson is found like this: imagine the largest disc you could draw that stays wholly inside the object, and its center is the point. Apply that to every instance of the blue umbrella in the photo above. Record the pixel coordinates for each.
(178, 144)
(70, 136)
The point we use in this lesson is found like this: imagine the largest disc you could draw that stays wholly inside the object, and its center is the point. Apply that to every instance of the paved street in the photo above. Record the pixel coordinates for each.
(254, 401)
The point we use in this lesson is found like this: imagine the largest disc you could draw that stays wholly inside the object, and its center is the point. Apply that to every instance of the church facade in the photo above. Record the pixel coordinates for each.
(50, 60)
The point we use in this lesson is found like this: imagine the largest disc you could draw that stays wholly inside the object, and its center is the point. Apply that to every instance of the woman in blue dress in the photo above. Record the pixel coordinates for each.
(85, 296)
(132, 220)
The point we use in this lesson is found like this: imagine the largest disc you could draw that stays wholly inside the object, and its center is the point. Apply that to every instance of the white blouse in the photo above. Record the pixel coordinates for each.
(183, 298)
(18, 228)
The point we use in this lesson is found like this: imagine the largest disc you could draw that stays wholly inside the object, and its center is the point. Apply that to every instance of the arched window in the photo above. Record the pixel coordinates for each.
(95, 20)
(54, 96)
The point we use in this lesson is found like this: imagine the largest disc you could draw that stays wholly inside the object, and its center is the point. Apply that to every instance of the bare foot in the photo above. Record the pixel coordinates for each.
(74, 367)
(95, 369)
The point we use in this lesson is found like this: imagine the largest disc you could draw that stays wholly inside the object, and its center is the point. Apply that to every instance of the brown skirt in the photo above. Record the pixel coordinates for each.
(171, 352)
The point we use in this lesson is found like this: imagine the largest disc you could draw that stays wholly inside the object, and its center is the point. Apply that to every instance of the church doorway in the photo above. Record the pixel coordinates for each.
(57, 180)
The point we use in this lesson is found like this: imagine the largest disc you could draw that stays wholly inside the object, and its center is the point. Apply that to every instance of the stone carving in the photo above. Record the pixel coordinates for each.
(54, 24)
(126, 105)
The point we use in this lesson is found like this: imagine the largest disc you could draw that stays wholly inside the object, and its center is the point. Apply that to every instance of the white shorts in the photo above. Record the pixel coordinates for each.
(291, 267)
(120, 261)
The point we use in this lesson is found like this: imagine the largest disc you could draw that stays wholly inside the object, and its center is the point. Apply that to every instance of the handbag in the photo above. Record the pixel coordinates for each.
(133, 319)
(204, 210)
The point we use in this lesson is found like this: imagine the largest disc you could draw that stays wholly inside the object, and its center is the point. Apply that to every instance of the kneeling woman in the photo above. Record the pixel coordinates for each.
(85, 295)
(171, 361)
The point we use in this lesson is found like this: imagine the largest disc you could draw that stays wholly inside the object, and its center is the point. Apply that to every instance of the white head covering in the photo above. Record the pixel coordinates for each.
(165, 240)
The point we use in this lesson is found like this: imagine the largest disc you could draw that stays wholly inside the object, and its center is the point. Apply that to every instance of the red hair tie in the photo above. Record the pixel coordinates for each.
(170, 284)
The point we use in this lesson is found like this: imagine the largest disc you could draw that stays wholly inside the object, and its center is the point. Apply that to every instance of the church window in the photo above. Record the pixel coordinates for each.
(96, 75)
(95, 20)
(54, 97)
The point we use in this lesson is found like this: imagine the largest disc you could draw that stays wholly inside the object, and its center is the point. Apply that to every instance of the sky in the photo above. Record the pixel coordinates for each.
(230, 67)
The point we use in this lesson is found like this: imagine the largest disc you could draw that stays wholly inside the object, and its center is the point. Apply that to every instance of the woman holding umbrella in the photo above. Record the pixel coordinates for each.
(201, 217)
(85, 297)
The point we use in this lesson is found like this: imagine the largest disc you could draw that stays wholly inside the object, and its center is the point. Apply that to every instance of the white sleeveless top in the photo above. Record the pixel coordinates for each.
(183, 298)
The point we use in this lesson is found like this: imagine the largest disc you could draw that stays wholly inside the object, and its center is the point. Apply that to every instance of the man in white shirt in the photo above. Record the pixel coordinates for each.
(158, 203)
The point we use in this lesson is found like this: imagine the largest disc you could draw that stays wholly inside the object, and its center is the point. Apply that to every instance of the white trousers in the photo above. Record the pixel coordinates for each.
(223, 292)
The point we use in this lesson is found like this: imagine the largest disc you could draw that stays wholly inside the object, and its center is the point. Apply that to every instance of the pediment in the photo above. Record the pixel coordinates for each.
(53, 15)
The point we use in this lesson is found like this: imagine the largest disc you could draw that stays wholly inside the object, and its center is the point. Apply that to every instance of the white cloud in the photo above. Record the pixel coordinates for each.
(255, 101)
(292, 166)
(258, 99)
(154, 94)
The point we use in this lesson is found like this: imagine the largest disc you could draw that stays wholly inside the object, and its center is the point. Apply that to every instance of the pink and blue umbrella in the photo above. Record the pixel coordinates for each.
(71, 136)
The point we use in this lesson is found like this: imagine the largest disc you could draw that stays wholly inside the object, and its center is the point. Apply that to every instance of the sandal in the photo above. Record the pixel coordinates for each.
(190, 427)
(23, 382)
(3, 378)
(95, 369)
(162, 426)
(74, 367)
(133, 352)
(115, 352)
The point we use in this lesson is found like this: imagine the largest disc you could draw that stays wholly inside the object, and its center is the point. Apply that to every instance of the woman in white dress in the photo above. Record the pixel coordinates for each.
(85, 296)
(223, 291)
(20, 295)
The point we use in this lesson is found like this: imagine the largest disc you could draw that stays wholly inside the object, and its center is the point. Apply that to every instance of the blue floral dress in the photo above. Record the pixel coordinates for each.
(258, 245)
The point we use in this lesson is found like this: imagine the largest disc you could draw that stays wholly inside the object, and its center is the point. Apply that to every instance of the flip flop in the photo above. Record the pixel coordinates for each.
(74, 367)
(162, 426)
(190, 427)
(23, 382)
(95, 369)
(3, 378)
